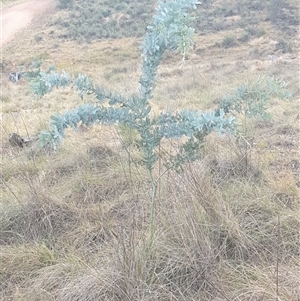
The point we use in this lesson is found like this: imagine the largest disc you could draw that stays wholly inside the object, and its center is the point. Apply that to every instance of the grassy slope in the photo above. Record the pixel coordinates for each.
(74, 223)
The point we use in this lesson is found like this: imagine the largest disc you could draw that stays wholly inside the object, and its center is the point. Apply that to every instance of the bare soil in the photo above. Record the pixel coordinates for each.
(17, 17)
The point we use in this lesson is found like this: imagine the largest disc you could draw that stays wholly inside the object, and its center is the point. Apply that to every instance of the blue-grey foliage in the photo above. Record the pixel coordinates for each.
(251, 98)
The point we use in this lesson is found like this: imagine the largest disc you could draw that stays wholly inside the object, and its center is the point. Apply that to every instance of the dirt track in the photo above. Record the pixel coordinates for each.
(19, 16)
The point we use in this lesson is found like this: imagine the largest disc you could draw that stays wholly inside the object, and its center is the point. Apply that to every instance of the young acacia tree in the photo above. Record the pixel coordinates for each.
(169, 31)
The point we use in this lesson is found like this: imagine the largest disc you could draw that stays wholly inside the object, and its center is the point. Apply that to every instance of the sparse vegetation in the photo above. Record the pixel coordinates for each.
(228, 41)
(74, 224)
(65, 4)
(5, 98)
(37, 38)
(281, 13)
(251, 32)
(90, 20)
(284, 46)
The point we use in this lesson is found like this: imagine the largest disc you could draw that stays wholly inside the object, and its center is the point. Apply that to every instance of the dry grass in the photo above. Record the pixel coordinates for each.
(74, 223)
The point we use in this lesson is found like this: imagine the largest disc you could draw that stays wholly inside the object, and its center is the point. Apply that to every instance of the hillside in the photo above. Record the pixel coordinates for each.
(74, 223)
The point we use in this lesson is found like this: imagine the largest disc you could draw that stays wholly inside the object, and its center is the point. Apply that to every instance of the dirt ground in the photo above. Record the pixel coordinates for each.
(17, 17)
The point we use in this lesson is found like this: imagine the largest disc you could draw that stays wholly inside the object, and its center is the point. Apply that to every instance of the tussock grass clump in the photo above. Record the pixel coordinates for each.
(19, 263)
(40, 218)
(231, 228)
